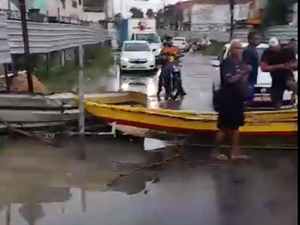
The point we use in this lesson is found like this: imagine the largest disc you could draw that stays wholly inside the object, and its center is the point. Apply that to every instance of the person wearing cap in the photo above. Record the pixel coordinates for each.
(231, 112)
(280, 62)
(250, 56)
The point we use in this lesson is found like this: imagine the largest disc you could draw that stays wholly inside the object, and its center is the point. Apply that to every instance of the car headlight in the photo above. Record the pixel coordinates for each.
(124, 59)
(152, 58)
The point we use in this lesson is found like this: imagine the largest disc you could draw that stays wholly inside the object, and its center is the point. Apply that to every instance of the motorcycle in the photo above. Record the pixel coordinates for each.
(173, 84)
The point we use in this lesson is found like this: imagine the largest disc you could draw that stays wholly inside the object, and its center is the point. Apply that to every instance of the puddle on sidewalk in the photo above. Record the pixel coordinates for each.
(41, 185)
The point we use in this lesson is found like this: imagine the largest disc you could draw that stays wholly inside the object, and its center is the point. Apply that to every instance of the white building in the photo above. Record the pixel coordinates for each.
(213, 16)
(66, 8)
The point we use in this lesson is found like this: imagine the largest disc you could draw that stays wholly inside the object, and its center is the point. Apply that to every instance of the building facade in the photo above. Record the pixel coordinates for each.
(211, 14)
(65, 8)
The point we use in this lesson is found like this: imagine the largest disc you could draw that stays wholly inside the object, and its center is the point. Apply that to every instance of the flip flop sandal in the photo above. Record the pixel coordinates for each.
(220, 157)
(240, 157)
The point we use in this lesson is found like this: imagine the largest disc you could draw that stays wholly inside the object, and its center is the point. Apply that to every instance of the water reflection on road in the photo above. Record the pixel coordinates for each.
(40, 185)
(46, 185)
(197, 75)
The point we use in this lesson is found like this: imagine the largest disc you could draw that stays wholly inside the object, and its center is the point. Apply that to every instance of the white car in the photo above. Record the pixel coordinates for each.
(136, 55)
(152, 38)
(262, 98)
(180, 42)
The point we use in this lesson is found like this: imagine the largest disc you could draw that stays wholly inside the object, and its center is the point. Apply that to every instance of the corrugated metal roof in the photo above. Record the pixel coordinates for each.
(213, 2)
(4, 47)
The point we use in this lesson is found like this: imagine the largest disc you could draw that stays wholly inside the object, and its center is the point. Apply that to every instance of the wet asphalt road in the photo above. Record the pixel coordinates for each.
(197, 76)
(40, 185)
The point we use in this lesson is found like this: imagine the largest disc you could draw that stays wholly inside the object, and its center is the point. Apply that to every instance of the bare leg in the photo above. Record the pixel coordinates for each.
(294, 88)
(236, 151)
(218, 141)
(235, 135)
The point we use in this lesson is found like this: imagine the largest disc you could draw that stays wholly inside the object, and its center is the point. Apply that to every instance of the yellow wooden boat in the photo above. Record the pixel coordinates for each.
(137, 98)
(273, 123)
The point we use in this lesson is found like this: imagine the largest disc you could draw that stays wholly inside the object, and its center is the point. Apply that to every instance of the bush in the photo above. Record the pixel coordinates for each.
(214, 49)
(58, 78)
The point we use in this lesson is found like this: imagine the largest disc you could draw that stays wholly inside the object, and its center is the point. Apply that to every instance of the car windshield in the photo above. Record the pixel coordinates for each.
(136, 47)
(179, 39)
(259, 51)
(151, 38)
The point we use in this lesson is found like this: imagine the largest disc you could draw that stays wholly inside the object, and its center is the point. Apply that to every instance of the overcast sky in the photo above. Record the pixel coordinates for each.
(127, 4)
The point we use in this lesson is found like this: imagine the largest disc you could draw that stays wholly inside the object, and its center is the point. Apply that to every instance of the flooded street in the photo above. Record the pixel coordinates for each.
(42, 185)
(197, 77)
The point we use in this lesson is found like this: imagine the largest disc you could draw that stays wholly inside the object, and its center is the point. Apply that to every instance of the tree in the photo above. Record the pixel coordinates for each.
(118, 17)
(231, 8)
(179, 16)
(150, 14)
(276, 12)
(169, 15)
(136, 13)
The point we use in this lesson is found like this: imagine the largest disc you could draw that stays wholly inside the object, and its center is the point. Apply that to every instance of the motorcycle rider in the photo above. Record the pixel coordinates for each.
(171, 54)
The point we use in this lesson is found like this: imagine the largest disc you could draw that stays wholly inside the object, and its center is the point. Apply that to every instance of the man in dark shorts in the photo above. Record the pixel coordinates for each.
(280, 62)
(231, 111)
(250, 56)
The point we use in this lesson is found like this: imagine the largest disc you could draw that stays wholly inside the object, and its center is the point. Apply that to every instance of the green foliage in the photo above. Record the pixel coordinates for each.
(136, 13)
(58, 78)
(277, 11)
(214, 49)
(150, 14)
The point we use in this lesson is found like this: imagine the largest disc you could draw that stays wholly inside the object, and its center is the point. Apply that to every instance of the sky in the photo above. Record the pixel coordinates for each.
(144, 5)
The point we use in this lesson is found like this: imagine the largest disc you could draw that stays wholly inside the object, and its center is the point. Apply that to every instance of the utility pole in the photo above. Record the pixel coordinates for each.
(231, 9)
(26, 44)
(81, 146)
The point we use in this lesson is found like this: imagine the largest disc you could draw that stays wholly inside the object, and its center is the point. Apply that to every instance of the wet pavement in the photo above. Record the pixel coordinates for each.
(41, 185)
(197, 76)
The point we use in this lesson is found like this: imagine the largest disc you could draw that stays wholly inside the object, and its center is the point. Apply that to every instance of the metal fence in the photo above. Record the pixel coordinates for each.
(4, 46)
(56, 18)
(283, 33)
(221, 36)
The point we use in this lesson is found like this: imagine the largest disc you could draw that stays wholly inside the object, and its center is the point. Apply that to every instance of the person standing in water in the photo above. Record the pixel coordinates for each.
(234, 74)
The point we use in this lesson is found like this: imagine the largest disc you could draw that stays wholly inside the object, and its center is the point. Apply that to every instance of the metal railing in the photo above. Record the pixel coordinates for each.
(283, 33)
(35, 16)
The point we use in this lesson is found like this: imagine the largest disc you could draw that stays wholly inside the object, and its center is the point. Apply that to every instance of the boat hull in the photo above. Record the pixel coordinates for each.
(261, 142)
(187, 123)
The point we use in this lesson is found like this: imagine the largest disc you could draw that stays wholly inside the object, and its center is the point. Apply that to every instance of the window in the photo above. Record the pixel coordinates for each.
(63, 2)
(136, 47)
(74, 4)
(226, 50)
(179, 39)
(151, 38)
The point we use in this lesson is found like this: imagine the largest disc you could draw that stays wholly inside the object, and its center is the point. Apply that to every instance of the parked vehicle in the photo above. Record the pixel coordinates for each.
(136, 55)
(141, 30)
(180, 42)
(262, 98)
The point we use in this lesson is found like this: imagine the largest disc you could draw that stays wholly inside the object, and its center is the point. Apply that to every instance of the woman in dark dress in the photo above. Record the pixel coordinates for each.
(234, 77)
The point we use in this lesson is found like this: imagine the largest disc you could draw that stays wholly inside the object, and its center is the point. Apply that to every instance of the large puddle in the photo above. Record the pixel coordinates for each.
(41, 185)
